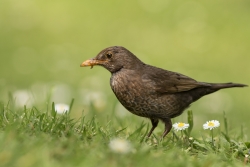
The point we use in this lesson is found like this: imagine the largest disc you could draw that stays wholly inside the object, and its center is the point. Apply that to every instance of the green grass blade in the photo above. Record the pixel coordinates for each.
(225, 122)
(190, 121)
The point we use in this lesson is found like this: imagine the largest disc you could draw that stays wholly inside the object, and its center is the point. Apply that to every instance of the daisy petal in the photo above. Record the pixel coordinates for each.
(180, 126)
(211, 124)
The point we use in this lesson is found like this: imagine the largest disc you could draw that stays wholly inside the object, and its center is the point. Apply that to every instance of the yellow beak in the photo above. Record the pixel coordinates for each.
(91, 62)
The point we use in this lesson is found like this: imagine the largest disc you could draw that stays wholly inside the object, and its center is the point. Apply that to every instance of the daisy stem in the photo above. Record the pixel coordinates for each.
(212, 134)
(182, 139)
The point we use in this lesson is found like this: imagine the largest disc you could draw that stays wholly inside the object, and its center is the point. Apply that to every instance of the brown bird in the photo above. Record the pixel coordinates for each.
(149, 91)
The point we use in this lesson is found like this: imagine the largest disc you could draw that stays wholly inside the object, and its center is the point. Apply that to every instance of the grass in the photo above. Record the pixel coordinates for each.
(32, 137)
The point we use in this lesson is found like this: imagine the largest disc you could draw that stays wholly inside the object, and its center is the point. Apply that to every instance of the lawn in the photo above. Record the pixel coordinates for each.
(42, 44)
(30, 137)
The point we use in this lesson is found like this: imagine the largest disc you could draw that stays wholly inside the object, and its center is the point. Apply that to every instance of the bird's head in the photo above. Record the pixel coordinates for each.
(114, 59)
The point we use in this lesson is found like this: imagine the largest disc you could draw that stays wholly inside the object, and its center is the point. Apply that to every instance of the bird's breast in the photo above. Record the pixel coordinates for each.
(125, 86)
(132, 94)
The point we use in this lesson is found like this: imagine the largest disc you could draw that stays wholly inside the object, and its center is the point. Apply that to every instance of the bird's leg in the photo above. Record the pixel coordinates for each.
(168, 126)
(154, 125)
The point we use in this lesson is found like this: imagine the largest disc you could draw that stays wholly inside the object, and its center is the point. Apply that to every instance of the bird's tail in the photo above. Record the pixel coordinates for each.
(218, 86)
(211, 88)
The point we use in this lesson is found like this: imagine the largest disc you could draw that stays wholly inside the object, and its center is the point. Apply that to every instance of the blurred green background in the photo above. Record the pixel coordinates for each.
(42, 44)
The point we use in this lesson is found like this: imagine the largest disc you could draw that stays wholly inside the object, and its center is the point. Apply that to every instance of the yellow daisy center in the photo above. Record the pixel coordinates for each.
(210, 124)
(180, 124)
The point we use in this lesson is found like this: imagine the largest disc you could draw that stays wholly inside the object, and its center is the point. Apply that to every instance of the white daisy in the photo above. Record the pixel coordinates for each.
(61, 108)
(211, 124)
(180, 126)
(23, 97)
(120, 146)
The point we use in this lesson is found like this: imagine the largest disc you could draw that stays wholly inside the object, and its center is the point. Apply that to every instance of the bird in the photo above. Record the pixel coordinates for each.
(148, 91)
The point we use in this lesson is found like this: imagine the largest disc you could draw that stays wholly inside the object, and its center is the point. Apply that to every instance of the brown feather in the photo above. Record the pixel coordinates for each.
(164, 81)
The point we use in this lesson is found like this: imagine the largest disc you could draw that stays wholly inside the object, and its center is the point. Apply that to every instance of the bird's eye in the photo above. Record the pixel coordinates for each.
(109, 55)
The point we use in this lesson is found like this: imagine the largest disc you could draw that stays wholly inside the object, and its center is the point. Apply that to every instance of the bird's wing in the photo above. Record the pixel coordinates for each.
(164, 81)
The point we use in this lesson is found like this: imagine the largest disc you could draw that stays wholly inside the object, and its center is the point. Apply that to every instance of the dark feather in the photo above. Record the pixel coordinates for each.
(164, 81)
